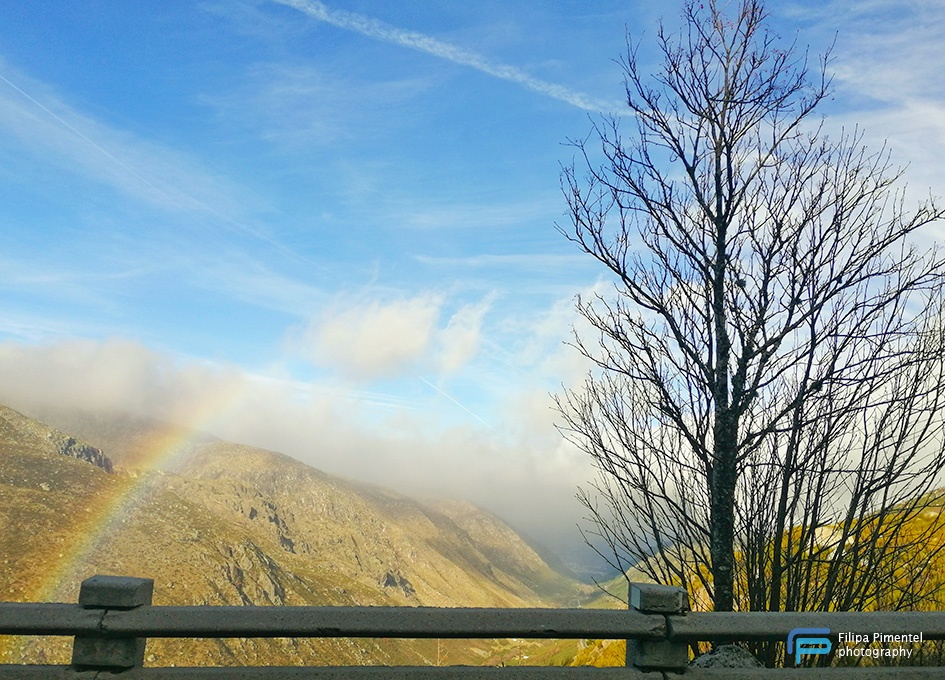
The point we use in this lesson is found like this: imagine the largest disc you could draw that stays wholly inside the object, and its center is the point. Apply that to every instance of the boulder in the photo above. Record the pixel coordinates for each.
(727, 656)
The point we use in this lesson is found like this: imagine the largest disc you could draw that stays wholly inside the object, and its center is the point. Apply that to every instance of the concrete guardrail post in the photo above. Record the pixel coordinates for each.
(663, 655)
(111, 592)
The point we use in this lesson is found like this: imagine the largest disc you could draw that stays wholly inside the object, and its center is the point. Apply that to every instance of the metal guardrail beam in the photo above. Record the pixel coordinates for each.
(774, 626)
(18, 618)
(428, 622)
(396, 622)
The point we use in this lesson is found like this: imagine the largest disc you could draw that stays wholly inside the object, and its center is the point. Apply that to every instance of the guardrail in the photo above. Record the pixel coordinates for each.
(114, 618)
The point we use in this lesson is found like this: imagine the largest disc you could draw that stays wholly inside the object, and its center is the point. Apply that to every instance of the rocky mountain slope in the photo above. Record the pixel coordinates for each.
(231, 524)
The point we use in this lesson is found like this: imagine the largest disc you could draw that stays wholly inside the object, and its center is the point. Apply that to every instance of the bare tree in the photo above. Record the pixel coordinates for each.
(766, 411)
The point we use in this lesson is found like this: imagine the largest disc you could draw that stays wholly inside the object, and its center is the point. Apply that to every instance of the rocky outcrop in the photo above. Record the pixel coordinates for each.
(397, 580)
(253, 574)
(70, 446)
(21, 432)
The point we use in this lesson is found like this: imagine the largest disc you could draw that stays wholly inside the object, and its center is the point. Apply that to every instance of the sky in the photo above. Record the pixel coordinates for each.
(329, 228)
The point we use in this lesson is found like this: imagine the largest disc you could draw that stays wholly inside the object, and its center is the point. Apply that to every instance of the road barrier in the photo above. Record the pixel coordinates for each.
(114, 618)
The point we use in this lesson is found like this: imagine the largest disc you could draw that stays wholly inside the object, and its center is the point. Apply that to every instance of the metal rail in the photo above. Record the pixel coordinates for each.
(114, 617)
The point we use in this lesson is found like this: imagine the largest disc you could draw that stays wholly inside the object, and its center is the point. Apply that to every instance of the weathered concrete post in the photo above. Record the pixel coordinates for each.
(111, 592)
(665, 655)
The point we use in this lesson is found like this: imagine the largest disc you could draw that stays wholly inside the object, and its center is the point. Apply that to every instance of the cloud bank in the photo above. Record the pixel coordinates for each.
(528, 476)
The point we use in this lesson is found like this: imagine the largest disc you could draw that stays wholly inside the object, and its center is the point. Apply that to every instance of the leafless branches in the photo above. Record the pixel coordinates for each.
(766, 413)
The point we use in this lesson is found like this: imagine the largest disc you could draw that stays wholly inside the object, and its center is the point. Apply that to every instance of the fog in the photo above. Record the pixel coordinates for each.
(521, 468)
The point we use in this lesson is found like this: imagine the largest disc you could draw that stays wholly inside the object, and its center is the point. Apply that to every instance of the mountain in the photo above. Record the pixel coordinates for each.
(224, 523)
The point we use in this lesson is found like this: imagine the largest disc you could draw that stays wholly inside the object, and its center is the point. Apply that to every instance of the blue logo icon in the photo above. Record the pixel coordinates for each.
(799, 641)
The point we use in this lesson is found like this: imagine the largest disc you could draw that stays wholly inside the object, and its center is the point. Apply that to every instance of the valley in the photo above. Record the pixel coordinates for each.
(215, 522)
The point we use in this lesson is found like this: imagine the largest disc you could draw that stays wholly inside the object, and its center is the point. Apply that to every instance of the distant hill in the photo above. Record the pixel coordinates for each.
(215, 522)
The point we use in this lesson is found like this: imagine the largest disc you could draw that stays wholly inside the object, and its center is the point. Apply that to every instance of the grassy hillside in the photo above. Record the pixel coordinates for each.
(231, 524)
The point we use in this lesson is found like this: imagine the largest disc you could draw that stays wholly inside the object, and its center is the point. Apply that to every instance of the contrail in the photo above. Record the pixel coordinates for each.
(378, 30)
(171, 199)
(85, 138)
(428, 383)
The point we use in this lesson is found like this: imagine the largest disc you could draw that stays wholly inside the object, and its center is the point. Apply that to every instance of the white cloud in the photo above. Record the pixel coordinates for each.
(545, 332)
(243, 278)
(296, 107)
(459, 341)
(887, 67)
(890, 52)
(373, 339)
(366, 340)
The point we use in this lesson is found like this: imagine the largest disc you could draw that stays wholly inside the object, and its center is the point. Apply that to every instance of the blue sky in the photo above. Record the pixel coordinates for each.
(328, 228)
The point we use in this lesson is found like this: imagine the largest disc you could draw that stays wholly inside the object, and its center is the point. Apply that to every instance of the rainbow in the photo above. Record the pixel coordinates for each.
(59, 580)
(161, 447)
